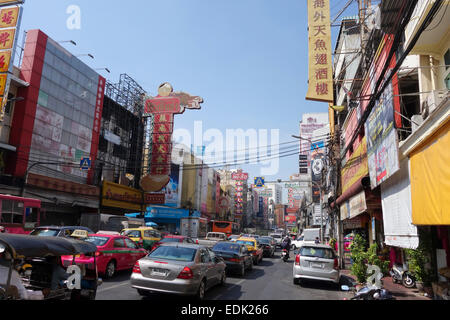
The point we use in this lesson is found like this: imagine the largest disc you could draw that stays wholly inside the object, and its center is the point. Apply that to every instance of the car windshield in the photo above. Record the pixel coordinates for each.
(278, 236)
(247, 243)
(170, 240)
(45, 232)
(226, 247)
(264, 240)
(98, 241)
(173, 253)
(131, 233)
(301, 238)
(315, 252)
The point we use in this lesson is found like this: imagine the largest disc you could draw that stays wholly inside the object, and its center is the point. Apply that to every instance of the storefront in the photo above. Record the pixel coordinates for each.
(166, 218)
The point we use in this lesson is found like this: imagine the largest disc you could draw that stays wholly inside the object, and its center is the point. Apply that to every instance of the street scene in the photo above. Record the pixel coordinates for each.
(205, 151)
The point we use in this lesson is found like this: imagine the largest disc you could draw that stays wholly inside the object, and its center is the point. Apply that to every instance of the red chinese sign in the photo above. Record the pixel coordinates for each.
(163, 108)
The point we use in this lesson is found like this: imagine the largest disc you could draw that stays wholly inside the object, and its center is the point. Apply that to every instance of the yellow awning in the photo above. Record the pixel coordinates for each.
(430, 180)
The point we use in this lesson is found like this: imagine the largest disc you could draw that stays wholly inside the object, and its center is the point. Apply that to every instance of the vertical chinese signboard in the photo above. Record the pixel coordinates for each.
(10, 18)
(239, 177)
(163, 108)
(320, 80)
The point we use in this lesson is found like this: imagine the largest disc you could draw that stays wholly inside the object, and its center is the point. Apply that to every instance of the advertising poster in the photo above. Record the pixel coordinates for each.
(172, 189)
(382, 140)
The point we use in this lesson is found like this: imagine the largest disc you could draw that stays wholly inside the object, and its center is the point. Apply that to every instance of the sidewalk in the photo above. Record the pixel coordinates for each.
(397, 290)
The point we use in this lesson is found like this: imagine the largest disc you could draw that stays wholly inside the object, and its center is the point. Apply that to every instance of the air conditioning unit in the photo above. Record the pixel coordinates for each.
(434, 99)
(416, 121)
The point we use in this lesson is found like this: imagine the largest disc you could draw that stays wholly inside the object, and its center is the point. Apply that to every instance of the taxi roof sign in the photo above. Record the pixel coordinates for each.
(80, 234)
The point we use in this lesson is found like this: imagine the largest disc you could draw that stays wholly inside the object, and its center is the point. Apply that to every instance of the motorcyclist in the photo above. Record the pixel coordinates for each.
(286, 244)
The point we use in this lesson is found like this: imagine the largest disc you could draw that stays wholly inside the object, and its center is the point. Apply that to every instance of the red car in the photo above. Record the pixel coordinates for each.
(114, 253)
(172, 238)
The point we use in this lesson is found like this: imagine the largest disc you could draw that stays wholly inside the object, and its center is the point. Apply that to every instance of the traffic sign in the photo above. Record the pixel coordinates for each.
(85, 164)
(259, 182)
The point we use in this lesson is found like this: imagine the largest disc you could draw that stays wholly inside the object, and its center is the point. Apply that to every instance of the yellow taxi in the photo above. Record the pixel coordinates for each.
(253, 247)
(145, 237)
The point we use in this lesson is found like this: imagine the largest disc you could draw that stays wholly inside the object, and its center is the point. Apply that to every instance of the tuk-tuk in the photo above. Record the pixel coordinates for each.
(32, 266)
(144, 237)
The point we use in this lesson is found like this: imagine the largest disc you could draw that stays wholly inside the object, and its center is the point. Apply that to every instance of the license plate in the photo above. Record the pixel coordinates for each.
(159, 272)
(316, 265)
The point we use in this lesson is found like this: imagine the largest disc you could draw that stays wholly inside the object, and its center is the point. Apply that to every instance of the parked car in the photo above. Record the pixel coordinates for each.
(236, 256)
(172, 238)
(268, 247)
(113, 253)
(212, 238)
(183, 269)
(278, 238)
(316, 262)
(57, 231)
(253, 247)
(145, 237)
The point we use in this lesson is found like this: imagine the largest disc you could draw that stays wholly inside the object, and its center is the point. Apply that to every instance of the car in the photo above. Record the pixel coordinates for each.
(233, 237)
(297, 243)
(268, 247)
(57, 231)
(145, 237)
(253, 247)
(236, 256)
(172, 238)
(114, 252)
(178, 268)
(278, 238)
(316, 262)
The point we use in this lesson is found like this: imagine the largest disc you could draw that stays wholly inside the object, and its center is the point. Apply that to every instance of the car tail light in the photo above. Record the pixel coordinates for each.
(234, 259)
(196, 241)
(98, 253)
(336, 264)
(186, 273)
(297, 260)
(137, 267)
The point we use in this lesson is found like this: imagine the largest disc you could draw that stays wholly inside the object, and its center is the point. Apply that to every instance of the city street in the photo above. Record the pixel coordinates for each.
(270, 280)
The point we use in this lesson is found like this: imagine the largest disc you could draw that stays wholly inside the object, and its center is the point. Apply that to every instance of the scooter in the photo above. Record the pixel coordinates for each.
(284, 255)
(399, 274)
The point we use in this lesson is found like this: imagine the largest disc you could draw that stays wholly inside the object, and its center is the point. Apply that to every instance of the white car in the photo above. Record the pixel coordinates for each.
(296, 244)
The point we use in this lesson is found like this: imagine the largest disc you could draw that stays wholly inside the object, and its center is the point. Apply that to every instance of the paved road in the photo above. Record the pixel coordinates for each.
(270, 280)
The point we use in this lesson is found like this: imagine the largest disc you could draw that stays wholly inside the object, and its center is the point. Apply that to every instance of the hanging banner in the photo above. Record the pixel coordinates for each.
(320, 78)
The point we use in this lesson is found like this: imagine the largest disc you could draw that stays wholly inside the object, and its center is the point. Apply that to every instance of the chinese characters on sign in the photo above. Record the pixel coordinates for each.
(320, 80)
(9, 19)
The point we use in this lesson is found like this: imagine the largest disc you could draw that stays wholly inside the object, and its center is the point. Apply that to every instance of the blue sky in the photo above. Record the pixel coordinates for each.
(247, 58)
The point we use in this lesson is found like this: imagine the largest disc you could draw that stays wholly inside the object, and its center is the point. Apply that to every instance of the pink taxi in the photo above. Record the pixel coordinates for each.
(114, 253)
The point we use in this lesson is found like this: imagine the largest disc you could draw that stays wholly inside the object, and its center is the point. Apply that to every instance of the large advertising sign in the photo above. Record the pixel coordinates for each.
(163, 108)
(320, 79)
(382, 140)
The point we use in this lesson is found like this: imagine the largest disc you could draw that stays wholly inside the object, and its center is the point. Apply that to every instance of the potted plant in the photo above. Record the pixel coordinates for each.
(359, 258)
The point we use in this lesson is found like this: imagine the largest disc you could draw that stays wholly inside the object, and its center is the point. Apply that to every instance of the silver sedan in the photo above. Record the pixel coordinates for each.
(178, 268)
(316, 262)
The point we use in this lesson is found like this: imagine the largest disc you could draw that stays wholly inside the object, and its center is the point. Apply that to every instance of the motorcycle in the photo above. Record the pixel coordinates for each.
(401, 275)
(284, 255)
(370, 293)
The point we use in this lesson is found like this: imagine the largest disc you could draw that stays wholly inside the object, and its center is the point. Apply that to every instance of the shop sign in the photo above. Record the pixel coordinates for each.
(355, 223)
(62, 185)
(320, 78)
(119, 196)
(356, 166)
(357, 204)
(240, 176)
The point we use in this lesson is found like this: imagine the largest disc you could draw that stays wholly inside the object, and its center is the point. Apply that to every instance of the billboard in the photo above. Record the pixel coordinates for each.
(382, 139)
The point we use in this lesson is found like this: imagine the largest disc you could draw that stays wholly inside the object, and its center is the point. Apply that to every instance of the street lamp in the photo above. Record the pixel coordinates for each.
(86, 54)
(68, 41)
(106, 69)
